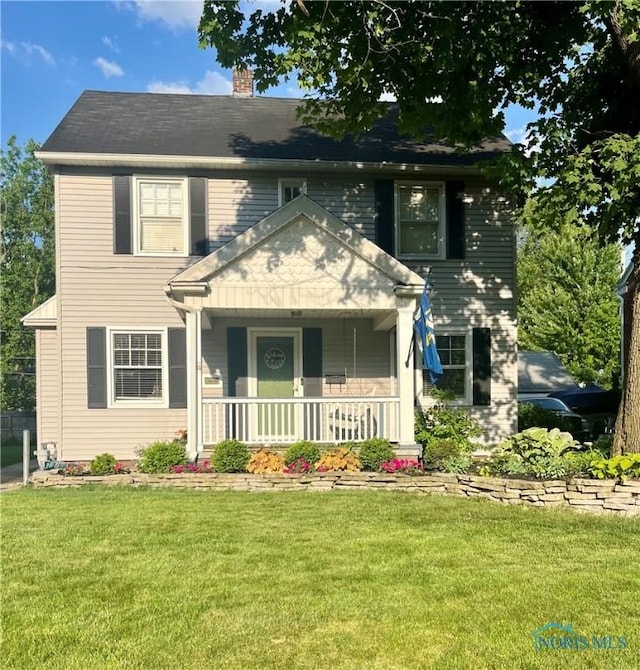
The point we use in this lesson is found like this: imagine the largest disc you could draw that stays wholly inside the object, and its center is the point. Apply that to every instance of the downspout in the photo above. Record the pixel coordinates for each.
(194, 398)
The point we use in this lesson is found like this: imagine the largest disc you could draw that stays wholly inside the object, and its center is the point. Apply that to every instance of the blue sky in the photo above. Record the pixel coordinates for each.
(52, 51)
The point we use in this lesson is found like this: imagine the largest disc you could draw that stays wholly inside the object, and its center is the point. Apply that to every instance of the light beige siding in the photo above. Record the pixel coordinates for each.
(99, 288)
(47, 387)
(480, 291)
(235, 204)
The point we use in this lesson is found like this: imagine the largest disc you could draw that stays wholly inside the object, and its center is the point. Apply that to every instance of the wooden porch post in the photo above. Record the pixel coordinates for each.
(406, 379)
(194, 383)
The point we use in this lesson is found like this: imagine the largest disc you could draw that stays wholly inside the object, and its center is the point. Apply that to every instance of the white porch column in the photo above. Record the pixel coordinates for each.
(406, 380)
(194, 383)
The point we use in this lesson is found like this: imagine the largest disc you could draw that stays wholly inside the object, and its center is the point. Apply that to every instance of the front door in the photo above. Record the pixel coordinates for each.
(275, 378)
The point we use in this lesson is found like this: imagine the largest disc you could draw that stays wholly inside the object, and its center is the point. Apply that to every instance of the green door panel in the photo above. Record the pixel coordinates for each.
(275, 380)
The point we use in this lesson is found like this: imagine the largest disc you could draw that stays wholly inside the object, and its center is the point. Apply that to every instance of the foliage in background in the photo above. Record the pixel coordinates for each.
(230, 456)
(302, 449)
(567, 301)
(161, 456)
(374, 452)
(27, 258)
(534, 416)
(453, 68)
(104, 464)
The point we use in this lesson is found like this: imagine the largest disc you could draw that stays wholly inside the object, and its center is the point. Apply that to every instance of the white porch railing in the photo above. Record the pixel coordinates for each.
(280, 421)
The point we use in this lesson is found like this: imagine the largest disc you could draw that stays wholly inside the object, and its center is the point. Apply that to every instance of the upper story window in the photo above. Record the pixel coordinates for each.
(161, 216)
(456, 358)
(288, 189)
(420, 220)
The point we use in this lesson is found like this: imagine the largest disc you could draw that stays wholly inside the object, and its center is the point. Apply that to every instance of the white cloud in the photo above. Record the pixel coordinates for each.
(176, 14)
(112, 44)
(25, 51)
(213, 83)
(517, 135)
(108, 68)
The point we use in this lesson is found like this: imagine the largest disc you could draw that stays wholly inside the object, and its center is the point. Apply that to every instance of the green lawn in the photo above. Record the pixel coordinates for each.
(136, 578)
(11, 452)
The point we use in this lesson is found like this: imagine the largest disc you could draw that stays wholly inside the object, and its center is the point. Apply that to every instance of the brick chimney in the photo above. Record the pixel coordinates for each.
(242, 82)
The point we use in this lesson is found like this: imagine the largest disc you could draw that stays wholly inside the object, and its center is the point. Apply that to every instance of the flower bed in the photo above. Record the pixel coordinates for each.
(596, 496)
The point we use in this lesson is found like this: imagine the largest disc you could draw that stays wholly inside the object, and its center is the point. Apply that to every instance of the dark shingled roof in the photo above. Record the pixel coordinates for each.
(233, 127)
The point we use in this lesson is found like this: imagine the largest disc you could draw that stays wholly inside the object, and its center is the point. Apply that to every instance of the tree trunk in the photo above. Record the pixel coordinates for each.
(627, 433)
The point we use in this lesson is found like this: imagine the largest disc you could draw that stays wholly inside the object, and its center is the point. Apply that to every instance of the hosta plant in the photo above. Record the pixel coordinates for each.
(265, 462)
(339, 459)
(623, 466)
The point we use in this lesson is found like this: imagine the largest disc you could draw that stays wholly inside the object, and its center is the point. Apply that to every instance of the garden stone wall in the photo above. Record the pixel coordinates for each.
(589, 495)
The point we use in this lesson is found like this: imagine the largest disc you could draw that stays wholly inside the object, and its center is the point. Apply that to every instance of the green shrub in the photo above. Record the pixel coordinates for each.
(604, 445)
(161, 456)
(534, 416)
(105, 464)
(374, 452)
(623, 466)
(580, 462)
(441, 422)
(230, 456)
(537, 451)
(302, 449)
(457, 464)
(437, 452)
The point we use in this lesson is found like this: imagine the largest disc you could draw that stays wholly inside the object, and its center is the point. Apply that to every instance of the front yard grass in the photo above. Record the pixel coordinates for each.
(11, 452)
(103, 577)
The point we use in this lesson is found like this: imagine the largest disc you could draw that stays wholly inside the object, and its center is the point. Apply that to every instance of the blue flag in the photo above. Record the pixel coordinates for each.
(423, 325)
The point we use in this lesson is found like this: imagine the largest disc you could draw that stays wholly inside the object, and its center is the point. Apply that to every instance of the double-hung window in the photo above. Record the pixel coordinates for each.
(456, 359)
(161, 216)
(288, 189)
(420, 220)
(137, 366)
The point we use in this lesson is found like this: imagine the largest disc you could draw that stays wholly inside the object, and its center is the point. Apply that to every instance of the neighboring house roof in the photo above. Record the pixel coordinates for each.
(623, 283)
(235, 127)
(45, 314)
(542, 372)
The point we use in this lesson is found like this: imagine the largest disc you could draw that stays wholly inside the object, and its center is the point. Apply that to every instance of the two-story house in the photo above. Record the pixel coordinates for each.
(223, 268)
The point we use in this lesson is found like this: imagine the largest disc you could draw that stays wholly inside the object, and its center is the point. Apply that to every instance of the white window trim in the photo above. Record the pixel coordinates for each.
(442, 223)
(155, 403)
(283, 182)
(137, 250)
(467, 400)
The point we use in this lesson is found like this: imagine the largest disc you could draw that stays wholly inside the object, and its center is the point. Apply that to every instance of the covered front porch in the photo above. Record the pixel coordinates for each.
(298, 329)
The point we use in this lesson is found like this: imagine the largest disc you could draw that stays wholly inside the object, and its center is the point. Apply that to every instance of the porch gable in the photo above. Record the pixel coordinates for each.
(300, 256)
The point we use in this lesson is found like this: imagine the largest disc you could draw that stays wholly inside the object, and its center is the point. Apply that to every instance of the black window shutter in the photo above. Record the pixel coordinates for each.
(177, 367)
(96, 368)
(385, 214)
(237, 361)
(455, 219)
(312, 361)
(122, 242)
(482, 366)
(198, 215)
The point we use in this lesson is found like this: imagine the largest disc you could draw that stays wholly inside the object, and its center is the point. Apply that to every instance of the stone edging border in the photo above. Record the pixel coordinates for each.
(589, 495)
